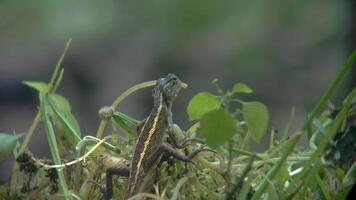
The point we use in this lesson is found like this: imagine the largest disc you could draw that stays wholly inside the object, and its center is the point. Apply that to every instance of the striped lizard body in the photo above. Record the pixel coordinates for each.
(150, 144)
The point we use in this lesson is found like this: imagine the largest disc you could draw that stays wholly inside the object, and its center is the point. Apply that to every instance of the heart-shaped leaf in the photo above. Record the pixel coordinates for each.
(8, 143)
(202, 103)
(256, 117)
(217, 126)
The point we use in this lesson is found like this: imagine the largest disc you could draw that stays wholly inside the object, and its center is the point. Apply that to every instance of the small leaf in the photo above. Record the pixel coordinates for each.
(241, 88)
(202, 103)
(256, 117)
(8, 143)
(217, 126)
(124, 122)
(67, 122)
(74, 124)
(37, 85)
(127, 119)
(61, 102)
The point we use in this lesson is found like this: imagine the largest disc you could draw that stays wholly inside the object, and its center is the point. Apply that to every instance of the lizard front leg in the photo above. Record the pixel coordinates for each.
(181, 156)
(173, 136)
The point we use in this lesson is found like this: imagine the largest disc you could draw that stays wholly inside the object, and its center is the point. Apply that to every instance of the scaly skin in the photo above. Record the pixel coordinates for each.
(150, 144)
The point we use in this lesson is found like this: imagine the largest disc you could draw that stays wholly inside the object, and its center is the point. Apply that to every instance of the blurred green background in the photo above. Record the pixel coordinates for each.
(287, 51)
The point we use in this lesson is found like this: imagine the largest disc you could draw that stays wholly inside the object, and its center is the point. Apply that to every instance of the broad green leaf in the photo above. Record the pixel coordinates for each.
(241, 88)
(67, 122)
(8, 143)
(61, 102)
(202, 103)
(217, 126)
(37, 85)
(256, 117)
(74, 124)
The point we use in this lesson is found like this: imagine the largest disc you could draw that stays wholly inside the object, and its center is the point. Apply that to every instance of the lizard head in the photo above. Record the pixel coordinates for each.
(168, 87)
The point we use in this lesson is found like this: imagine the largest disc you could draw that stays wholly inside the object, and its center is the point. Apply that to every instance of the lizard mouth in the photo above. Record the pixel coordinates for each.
(175, 81)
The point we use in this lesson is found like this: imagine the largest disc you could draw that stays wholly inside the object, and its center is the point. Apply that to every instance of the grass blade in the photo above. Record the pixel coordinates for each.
(262, 187)
(310, 180)
(329, 133)
(58, 66)
(53, 143)
(324, 189)
(328, 92)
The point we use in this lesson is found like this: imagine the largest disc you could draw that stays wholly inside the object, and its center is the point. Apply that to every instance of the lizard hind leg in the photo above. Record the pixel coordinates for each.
(120, 171)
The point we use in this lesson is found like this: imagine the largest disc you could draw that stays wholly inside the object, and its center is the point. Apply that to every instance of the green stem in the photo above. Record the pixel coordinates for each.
(23, 147)
(247, 153)
(29, 134)
(119, 99)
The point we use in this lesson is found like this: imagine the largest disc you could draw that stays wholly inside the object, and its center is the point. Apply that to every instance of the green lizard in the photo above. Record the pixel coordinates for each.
(150, 144)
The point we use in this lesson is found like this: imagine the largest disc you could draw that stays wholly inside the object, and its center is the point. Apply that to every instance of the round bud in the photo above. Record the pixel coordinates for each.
(106, 112)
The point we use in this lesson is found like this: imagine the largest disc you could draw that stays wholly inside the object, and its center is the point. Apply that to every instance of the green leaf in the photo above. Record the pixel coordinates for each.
(202, 103)
(8, 143)
(127, 119)
(37, 85)
(256, 117)
(241, 88)
(125, 123)
(67, 121)
(217, 126)
(61, 102)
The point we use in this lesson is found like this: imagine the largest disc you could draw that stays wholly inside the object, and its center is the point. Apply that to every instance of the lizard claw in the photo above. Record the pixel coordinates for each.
(205, 147)
(196, 152)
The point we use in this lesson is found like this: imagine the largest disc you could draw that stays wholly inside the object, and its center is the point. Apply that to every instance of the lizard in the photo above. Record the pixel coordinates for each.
(150, 144)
